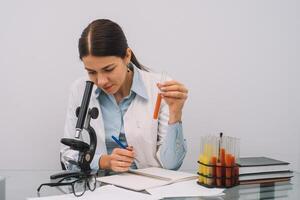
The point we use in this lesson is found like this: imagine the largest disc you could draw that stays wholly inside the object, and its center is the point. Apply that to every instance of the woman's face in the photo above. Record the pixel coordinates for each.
(107, 72)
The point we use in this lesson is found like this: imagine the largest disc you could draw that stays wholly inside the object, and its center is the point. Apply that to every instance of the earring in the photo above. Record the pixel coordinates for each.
(128, 66)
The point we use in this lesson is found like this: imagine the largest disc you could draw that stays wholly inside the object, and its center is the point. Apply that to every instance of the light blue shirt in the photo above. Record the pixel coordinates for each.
(173, 149)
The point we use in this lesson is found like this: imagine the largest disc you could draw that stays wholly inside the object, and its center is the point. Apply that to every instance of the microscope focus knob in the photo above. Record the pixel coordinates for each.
(87, 157)
(94, 112)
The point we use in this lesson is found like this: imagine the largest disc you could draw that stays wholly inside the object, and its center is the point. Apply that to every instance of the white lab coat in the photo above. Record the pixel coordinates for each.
(142, 132)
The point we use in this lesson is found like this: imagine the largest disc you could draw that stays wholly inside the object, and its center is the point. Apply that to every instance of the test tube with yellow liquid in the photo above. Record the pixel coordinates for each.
(201, 167)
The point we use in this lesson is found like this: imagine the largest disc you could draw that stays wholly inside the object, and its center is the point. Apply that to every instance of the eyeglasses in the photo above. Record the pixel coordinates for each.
(78, 183)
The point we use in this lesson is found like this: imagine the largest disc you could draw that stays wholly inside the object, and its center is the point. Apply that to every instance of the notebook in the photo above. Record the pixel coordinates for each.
(259, 161)
(142, 179)
(266, 176)
(254, 165)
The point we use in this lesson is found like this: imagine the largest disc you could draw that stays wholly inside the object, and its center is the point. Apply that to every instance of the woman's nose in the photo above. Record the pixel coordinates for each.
(101, 80)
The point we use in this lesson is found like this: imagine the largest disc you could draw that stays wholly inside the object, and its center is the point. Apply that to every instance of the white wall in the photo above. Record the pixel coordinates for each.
(239, 59)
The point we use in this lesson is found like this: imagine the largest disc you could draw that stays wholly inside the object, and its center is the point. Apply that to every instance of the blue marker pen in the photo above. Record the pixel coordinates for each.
(118, 142)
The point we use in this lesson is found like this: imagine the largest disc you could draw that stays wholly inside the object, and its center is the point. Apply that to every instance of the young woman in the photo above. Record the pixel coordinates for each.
(125, 93)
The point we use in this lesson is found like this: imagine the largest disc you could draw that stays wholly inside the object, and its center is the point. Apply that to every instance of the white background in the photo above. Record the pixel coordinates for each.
(239, 59)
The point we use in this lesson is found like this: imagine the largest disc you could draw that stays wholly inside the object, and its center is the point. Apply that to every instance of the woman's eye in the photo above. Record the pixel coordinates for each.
(91, 72)
(109, 69)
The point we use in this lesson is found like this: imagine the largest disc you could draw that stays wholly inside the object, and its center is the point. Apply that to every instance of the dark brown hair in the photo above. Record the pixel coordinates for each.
(104, 37)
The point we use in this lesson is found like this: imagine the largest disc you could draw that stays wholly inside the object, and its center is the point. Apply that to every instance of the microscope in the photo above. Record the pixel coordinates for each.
(86, 151)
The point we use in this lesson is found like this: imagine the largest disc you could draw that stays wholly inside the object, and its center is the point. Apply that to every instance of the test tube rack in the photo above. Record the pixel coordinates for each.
(217, 162)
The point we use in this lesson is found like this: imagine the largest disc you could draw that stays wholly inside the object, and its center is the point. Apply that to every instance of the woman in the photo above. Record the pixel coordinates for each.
(125, 93)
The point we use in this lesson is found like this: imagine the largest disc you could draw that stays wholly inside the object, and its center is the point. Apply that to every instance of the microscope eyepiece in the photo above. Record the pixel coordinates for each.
(82, 111)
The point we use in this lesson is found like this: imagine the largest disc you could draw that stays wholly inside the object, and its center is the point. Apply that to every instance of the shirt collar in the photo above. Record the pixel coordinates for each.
(138, 85)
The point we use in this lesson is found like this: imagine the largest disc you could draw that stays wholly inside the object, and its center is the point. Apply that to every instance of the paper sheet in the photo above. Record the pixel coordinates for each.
(132, 181)
(165, 174)
(184, 189)
(146, 178)
(105, 192)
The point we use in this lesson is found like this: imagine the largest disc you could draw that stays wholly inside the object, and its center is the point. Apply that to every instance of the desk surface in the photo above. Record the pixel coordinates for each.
(21, 184)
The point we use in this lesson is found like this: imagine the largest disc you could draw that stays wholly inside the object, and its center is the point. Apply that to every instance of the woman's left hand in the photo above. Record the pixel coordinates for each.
(174, 94)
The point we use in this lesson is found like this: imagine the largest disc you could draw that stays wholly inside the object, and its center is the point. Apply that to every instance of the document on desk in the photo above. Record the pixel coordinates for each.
(184, 189)
(105, 192)
(146, 178)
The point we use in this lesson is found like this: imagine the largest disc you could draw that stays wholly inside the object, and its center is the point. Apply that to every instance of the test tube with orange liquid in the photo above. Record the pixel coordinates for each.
(159, 98)
(220, 162)
(212, 161)
(230, 161)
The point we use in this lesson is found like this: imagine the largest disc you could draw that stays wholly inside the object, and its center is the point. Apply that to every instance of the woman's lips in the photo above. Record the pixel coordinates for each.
(107, 88)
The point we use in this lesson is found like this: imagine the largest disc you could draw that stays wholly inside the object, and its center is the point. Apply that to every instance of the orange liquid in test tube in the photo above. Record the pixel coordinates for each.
(159, 98)
(157, 106)
(222, 159)
(219, 174)
(222, 156)
(228, 163)
(213, 162)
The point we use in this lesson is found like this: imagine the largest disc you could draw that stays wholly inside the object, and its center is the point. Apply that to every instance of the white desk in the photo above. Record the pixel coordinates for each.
(21, 184)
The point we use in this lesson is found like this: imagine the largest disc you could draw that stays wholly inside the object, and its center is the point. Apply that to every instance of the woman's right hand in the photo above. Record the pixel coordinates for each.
(119, 160)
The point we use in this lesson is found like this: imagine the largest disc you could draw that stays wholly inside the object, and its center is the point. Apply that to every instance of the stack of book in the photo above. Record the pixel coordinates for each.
(260, 170)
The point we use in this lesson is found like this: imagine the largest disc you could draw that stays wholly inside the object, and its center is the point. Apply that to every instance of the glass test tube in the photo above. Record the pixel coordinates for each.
(220, 170)
(212, 160)
(204, 160)
(237, 157)
(229, 161)
(208, 150)
(201, 167)
(158, 99)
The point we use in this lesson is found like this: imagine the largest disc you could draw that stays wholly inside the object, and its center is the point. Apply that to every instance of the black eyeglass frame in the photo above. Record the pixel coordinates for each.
(79, 177)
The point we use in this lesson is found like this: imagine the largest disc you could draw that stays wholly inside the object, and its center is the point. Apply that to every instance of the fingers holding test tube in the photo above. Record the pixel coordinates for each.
(174, 94)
